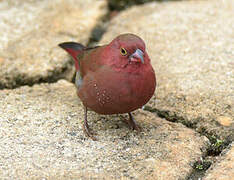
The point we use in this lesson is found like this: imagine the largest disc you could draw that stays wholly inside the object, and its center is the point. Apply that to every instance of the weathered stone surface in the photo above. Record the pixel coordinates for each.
(191, 45)
(224, 169)
(31, 31)
(41, 137)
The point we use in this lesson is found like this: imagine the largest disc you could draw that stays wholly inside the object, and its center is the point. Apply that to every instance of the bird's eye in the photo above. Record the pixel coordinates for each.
(123, 51)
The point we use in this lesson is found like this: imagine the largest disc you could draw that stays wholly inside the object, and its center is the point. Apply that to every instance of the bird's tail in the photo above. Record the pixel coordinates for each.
(74, 49)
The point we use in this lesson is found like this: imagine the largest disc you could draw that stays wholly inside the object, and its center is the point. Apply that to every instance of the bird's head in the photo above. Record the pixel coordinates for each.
(127, 50)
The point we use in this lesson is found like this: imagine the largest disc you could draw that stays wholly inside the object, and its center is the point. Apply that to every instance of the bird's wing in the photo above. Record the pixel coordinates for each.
(74, 49)
(90, 59)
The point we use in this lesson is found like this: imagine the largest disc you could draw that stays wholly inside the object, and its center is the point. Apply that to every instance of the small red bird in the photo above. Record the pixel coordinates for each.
(114, 78)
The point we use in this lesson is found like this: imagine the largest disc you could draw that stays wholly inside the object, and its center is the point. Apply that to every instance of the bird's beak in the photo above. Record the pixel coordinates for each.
(137, 56)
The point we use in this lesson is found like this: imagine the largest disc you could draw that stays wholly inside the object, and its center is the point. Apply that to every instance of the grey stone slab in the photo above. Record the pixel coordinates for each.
(31, 31)
(41, 137)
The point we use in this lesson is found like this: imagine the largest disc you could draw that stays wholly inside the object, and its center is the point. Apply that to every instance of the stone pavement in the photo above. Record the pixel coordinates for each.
(188, 125)
(42, 137)
(30, 33)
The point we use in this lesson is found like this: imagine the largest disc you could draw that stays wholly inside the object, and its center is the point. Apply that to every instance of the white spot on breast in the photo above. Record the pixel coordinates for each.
(101, 95)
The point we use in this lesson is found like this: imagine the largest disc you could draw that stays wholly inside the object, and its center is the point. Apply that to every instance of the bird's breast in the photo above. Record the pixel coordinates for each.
(111, 92)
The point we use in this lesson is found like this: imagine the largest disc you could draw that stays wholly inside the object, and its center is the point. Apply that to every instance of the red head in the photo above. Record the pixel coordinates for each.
(127, 50)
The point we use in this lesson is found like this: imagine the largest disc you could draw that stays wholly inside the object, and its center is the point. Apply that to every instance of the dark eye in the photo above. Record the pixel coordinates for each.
(123, 51)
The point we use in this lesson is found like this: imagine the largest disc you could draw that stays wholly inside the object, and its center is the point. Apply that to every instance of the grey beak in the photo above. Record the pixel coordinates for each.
(136, 56)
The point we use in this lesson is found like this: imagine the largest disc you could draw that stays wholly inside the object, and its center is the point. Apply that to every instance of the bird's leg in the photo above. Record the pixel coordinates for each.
(132, 123)
(86, 126)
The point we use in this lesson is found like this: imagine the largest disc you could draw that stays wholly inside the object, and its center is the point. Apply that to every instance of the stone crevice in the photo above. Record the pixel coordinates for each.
(58, 74)
(215, 148)
(33, 57)
(54, 76)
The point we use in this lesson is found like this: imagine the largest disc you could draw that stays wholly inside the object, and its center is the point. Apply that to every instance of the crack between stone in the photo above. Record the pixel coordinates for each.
(58, 74)
(215, 148)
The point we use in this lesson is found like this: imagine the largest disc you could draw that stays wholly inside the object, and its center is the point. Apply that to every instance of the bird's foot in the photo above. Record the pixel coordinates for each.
(132, 123)
(88, 132)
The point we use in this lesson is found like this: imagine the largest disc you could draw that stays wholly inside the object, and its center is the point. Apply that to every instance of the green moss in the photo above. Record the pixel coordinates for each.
(218, 143)
(216, 146)
(199, 166)
(202, 165)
